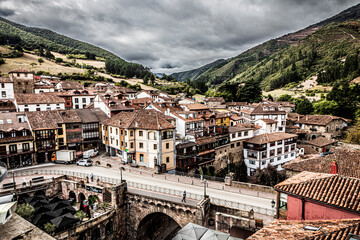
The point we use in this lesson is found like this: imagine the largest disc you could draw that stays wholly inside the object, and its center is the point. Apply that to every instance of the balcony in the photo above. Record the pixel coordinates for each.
(19, 151)
(290, 142)
(256, 148)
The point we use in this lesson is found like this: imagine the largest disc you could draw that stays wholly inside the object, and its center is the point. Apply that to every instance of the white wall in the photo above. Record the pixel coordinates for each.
(98, 103)
(43, 107)
(8, 89)
(80, 101)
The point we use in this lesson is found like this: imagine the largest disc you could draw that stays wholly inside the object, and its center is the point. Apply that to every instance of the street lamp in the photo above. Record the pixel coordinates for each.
(204, 188)
(272, 203)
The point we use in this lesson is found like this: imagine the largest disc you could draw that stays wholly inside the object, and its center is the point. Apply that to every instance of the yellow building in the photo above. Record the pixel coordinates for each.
(222, 119)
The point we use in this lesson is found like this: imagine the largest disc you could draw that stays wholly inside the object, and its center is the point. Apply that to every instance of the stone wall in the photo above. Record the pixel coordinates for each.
(230, 151)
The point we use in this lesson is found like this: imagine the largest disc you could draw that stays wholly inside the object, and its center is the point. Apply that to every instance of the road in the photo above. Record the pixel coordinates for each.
(179, 186)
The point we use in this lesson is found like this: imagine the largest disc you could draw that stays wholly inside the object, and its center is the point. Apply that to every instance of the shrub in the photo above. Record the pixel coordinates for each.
(49, 228)
(80, 215)
(104, 205)
(40, 60)
(25, 211)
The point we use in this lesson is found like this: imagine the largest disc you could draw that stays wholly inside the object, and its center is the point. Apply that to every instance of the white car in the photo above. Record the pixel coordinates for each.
(84, 162)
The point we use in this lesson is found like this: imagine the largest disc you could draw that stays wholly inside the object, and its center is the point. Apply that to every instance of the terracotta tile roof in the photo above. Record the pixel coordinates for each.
(235, 117)
(9, 121)
(321, 142)
(307, 149)
(5, 80)
(71, 85)
(39, 98)
(238, 129)
(214, 99)
(286, 104)
(196, 106)
(270, 137)
(140, 119)
(331, 189)
(294, 230)
(321, 120)
(347, 160)
(205, 140)
(91, 115)
(142, 100)
(264, 109)
(43, 119)
(7, 105)
(185, 145)
(69, 116)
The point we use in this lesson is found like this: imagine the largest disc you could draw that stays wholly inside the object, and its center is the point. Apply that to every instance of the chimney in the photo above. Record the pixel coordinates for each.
(334, 168)
(299, 117)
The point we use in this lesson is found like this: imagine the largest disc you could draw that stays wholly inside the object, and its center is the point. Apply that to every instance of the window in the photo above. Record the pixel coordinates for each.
(84, 100)
(141, 157)
(239, 134)
(246, 133)
(1, 135)
(283, 201)
(263, 162)
(286, 149)
(117, 142)
(263, 154)
(140, 133)
(167, 159)
(238, 144)
(272, 144)
(116, 131)
(24, 133)
(131, 145)
(279, 142)
(110, 129)
(76, 100)
(279, 151)
(167, 134)
(272, 160)
(252, 162)
(232, 145)
(3, 93)
(286, 156)
(141, 145)
(155, 146)
(167, 145)
(272, 152)
(292, 154)
(13, 134)
(25, 147)
(233, 135)
(3, 85)
(122, 132)
(12, 148)
(131, 133)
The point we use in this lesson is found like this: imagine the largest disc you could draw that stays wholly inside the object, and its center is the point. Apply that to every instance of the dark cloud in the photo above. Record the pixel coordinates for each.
(182, 34)
(6, 12)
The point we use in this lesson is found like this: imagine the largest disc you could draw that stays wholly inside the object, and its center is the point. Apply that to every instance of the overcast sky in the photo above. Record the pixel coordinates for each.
(181, 34)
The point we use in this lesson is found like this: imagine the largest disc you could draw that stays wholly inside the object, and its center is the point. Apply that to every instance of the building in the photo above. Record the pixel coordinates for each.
(318, 196)
(144, 137)
(16, 140)
(319, 125)
(321, 144)
(241, 132)
(222, 119)
(41, 88)
(186, 155)
(186, 101)
(235, 119)
(23, 81)
(32, 102)
(266, 126)
(254, 112)
(6, 88)
(196, 107)
(7, 105)
(213, 102)
(150, 94)
(345, 159)
(91, 128)
(68, 86)
(275, 149)
(287, 106)
(235, 106)
(77, 99)
(112, 104)
(345, 229)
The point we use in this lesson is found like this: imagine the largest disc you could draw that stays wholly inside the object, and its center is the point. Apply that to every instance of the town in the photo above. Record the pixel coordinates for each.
(48, 120)
(179, 120)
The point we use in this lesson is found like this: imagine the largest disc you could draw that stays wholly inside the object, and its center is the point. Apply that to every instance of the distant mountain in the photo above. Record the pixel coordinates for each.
(193, 74)
(32, 38)
(270, 61)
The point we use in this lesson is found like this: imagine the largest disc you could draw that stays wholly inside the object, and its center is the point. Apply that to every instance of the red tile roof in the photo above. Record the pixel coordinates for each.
(321, 142)
(5, 80)
(38, 98)
(140, 119)
(294, 230)
(331, 189)
(347, 160)
(270, 137)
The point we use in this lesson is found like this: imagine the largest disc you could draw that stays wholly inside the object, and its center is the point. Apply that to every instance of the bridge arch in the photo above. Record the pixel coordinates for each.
(157, 225)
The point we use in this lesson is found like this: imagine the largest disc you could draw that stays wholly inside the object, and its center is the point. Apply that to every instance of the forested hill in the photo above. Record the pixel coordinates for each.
(246, 64)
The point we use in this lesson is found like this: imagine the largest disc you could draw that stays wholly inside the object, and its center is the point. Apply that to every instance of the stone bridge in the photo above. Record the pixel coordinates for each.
(153, 216)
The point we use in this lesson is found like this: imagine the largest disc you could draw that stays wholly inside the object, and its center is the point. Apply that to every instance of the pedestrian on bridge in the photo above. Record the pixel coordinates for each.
(184, 197)
(92, 177)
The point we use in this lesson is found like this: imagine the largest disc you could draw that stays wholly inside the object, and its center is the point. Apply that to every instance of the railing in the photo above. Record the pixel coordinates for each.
(154, 188)
(16, 152)
(3, 171)
(199, 176)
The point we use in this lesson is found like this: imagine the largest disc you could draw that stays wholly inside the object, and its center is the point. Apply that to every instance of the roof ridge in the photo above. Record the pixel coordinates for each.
(135, 116)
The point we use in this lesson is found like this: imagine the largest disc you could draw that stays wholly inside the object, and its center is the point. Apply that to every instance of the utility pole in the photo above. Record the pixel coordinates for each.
(204, 188)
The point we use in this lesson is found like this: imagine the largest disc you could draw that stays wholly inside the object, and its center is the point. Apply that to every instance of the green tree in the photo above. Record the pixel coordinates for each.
(17, 47)
(326, 107)
(146, 79)
(304, 106)
(268, 176)
(93, 199)
(40, 60)
(48, 54)
(249, 92)
(284, 98)
(240, 172)
(33, 64)
(270, 98)
(49, 228)
(152, 79)
(58, 60)
(26, 211)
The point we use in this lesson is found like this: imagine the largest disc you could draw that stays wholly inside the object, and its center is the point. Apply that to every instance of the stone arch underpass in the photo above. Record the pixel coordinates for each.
(155, 218)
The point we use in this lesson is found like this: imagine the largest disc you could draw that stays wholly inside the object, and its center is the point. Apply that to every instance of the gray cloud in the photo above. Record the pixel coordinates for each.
(183, 34)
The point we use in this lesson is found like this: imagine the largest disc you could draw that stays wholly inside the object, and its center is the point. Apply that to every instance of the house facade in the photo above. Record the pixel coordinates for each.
(275, 149)
(144, 137)
(6, 88)
(23, 81)
(38, 102)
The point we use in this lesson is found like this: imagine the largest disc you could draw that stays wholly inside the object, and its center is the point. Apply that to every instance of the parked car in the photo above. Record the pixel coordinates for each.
(84, 162)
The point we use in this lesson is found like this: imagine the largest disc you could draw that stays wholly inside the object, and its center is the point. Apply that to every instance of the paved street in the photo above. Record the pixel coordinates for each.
(152, 179)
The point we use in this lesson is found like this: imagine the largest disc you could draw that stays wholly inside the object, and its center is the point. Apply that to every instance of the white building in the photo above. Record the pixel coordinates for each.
(241, 133)
(150, 94)
(41, 88)
(6, 88)
(254, 112)
(38, 102)
(271, 148)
